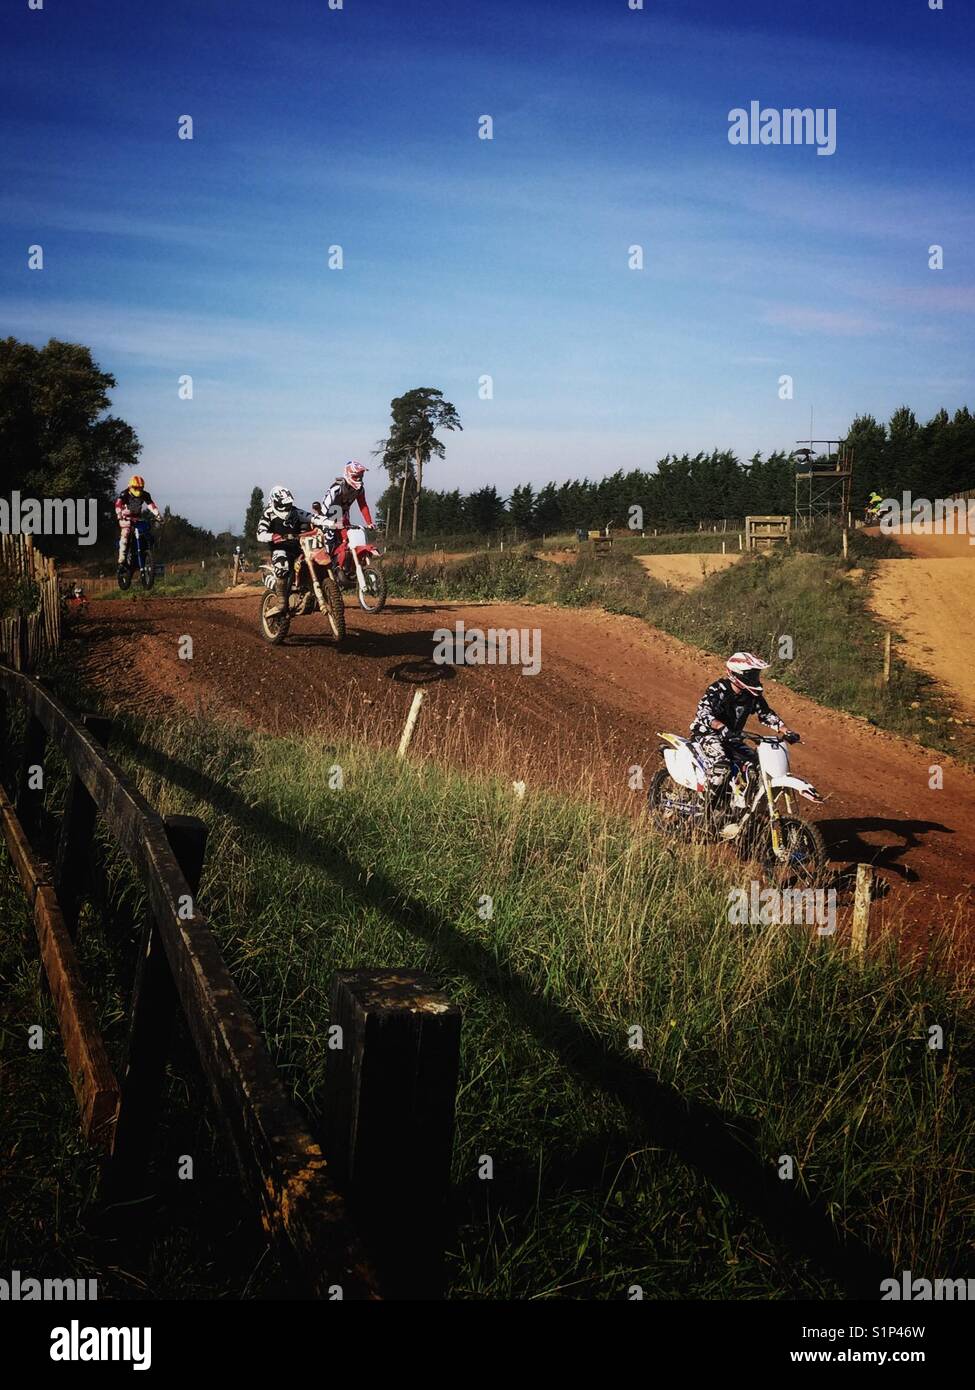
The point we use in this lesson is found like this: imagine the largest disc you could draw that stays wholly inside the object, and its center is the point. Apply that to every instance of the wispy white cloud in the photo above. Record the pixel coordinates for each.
(837, 323)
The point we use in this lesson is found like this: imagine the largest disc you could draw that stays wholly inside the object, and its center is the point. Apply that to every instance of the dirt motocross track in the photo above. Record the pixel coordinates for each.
(606, 685)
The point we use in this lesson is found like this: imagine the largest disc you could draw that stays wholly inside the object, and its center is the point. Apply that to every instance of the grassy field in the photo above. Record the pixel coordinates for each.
(613, 1166)
(808, 593)
(196, 581)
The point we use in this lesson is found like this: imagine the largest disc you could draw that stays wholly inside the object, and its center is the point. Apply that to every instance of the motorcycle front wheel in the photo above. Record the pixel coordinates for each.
(124, 577)
(335, 606)
(274, 628)
(373, 598)
(805, 863)
(148, 574)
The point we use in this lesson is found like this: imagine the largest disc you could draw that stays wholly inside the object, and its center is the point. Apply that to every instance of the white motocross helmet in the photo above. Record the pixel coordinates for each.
(281, 500)
(745, 670)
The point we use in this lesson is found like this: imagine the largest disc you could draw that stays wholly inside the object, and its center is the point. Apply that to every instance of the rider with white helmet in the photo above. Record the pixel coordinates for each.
(280, 524)
(724, 709)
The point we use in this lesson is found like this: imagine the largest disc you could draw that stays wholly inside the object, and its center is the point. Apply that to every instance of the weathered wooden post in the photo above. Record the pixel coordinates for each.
(410, 724)
(4, 734)
(154, 1006)
(846, 545)
(72, 868)
(861, 908)
(887, 659)
(390, 1090)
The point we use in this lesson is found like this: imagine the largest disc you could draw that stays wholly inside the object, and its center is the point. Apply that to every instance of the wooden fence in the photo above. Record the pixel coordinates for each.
(391, 1087)
(26, 636)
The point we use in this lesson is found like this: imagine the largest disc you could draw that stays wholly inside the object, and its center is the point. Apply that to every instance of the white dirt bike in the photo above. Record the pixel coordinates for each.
(789, 848)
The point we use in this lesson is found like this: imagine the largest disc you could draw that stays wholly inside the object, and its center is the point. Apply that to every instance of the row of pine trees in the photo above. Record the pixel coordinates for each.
(931, 460)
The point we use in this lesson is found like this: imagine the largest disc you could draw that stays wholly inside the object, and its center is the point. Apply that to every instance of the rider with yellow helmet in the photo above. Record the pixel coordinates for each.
(129, 506)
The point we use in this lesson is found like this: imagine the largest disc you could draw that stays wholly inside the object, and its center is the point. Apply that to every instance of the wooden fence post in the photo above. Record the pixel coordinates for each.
(389, 1119)
(4, 735)
(154, 1007)
(410, 724)
(72, 869)
(861, 908)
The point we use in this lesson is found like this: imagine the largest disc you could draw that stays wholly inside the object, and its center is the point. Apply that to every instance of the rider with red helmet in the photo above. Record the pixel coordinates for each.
(723, 711)
(341, 495)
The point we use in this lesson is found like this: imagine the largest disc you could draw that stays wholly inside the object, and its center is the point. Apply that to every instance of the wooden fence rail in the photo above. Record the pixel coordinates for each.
(281, 1164)
(26, 636)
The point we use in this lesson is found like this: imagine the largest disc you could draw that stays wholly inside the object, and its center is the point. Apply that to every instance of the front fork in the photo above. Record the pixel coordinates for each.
(317, 589)
(774, 819)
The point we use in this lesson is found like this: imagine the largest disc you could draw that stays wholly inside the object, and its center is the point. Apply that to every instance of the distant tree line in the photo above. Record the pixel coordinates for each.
(58, 438)
(931, 460)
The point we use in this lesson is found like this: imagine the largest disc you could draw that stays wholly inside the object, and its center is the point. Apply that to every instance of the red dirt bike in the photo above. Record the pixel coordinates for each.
(313, 587)
(359, 565)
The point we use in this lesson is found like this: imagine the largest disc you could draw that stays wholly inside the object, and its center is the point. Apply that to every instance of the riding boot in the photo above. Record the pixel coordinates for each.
(714, 800)
(281, 593)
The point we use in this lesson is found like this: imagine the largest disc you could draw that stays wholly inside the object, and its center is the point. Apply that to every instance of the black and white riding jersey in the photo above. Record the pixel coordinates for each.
(733, 708)
(274, 523)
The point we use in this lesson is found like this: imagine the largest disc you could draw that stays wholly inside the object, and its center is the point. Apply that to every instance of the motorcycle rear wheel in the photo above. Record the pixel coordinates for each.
(274, 629)
(666, 803)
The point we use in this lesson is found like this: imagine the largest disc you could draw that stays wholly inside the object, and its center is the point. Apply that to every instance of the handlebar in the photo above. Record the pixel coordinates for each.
(768, 738)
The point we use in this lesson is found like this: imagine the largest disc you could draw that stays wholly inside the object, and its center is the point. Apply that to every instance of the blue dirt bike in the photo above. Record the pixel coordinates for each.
(138, 556)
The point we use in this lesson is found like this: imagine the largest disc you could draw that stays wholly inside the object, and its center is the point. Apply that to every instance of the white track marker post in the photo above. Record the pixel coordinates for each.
(861, 908)
(722, 547)
(410, 724)
(887, 659)
(740, 546)
(845, 543)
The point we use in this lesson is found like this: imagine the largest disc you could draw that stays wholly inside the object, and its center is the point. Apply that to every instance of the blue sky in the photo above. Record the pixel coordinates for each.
(466, 257)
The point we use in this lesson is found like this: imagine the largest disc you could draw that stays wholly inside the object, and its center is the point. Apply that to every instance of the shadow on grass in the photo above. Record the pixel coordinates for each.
(719, 1146)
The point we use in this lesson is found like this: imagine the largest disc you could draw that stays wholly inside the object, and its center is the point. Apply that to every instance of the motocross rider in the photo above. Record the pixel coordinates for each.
(724, 709)
(279, 527)
(335, 508)
(129, 506)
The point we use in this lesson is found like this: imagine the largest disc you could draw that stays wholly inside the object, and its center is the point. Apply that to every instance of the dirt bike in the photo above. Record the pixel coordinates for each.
(313, 587)
(358, 564)
(789, 848)
(871, 515)
(138, 556)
